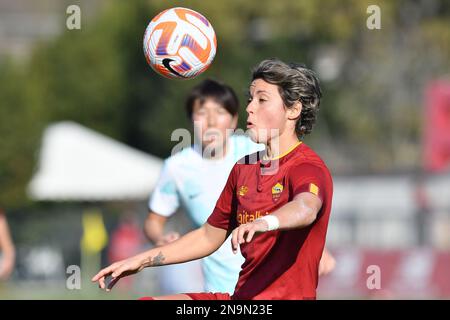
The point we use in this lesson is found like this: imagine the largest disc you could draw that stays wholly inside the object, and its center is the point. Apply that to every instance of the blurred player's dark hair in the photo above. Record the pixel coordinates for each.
(295, 83)
(216, 90)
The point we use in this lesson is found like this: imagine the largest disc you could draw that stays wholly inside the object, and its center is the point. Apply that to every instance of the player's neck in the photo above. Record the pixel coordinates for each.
(280, 146)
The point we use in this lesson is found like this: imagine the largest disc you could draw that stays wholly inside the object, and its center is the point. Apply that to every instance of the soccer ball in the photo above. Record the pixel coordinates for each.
(179, 43)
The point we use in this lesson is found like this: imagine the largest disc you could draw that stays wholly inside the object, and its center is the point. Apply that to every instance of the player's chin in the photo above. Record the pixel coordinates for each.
(252, 134)
(256, 137)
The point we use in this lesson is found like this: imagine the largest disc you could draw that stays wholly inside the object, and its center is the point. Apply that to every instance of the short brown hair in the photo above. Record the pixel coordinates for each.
(295, 83)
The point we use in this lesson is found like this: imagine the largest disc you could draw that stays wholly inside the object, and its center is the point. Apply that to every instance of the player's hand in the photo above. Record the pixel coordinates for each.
(118, 270)
(245, 232)
(167, 238)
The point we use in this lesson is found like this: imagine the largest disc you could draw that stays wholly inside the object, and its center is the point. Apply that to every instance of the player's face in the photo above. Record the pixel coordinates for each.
(214, 121)
(267, 116)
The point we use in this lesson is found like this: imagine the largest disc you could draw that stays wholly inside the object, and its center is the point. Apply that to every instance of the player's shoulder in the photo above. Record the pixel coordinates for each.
(307, 157)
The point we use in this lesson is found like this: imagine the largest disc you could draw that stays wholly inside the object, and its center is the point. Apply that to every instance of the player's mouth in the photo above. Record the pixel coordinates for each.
(250, 125)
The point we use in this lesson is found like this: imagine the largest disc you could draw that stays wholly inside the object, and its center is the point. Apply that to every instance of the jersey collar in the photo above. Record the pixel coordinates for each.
(282, 157)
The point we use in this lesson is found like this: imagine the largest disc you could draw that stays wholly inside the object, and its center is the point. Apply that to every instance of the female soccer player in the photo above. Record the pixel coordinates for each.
(276, 203)
(193, 179)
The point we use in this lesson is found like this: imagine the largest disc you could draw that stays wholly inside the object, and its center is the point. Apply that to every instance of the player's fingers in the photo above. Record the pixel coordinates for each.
(116, 273)
(234, 239)
(234, 242)
(112, 283)
(242, 230)
(97, 276)
(102, 273)
(101, 283)
(250, 234)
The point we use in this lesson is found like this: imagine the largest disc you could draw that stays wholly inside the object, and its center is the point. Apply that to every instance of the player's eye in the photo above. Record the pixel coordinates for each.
(249, 97)
(200, 112)
(262, 100)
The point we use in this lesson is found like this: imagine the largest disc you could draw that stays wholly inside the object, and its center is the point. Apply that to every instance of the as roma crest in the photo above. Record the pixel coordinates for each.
(276, 191)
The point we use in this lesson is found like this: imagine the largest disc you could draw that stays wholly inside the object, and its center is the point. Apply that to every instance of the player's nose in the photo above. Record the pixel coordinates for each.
(211, 120)
(250, 108)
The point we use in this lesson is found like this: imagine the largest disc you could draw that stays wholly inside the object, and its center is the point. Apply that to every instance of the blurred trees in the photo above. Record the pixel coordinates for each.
(371, 111)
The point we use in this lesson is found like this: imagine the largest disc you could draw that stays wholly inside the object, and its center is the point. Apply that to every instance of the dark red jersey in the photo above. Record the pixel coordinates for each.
(281, 264)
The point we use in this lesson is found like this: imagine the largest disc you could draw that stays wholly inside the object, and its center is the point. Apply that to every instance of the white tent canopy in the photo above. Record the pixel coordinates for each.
(77, 163)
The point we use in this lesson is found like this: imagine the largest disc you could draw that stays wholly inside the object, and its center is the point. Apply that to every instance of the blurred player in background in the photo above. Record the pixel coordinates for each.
(7, 250)
(275, 204)
(194, 179)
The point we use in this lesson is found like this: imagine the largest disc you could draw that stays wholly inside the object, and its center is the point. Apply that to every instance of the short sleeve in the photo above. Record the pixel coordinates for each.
(307, 177)
(224, 213)
(164, 199)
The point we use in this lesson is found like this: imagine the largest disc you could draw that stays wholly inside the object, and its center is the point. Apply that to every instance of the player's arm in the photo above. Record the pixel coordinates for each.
(194, 245)
(154, 229)
(162, 204)
(298, 213)
(307, 183)
(7, 249)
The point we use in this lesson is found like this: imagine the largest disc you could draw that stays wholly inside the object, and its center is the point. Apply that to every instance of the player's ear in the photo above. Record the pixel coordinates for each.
(294, 112)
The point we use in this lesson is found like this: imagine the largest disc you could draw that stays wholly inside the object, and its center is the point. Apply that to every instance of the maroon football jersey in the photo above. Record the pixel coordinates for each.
(280, 264)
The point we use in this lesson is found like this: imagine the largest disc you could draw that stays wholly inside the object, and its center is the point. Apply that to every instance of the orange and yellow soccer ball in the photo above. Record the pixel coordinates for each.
(179, 43)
